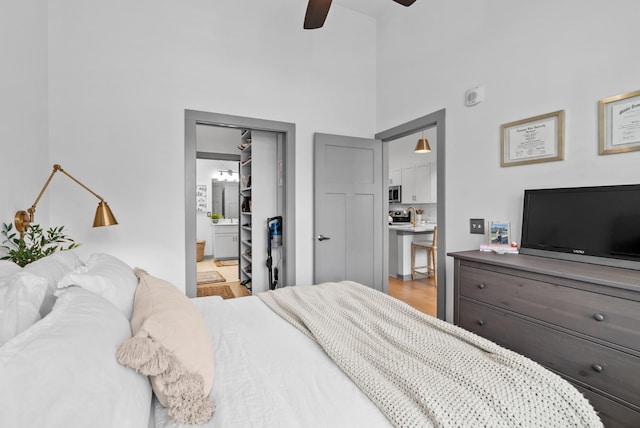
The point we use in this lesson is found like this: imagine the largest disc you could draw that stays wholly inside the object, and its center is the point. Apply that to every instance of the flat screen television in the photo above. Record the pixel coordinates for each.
(599, 225)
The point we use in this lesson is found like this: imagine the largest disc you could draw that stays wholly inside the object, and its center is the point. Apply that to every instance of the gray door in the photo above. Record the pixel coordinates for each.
(348, 210)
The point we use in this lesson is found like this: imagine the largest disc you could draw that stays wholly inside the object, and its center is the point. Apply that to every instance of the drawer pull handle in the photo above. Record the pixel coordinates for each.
(598, 317)
(481, 286)
(480, 323)
(597, 368)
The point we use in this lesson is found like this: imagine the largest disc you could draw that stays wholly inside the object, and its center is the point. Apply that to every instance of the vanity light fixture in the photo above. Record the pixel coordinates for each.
(104, 216)
(423, 145)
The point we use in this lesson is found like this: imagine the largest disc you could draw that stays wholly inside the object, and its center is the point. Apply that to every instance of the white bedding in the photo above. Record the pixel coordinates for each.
(424, 372)
(252, 345)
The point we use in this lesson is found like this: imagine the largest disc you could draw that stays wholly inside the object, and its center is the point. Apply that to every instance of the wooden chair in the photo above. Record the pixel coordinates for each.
(431, 257)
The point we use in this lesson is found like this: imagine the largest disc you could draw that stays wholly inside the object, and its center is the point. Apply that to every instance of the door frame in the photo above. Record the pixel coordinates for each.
(193, 118)
(220, 157)
(436, 119)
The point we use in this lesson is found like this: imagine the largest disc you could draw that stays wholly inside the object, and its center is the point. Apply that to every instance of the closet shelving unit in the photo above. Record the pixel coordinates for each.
(258, 184)
(246, 254)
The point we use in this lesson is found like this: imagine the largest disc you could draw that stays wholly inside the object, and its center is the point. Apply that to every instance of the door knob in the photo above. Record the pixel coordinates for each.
(323, 238)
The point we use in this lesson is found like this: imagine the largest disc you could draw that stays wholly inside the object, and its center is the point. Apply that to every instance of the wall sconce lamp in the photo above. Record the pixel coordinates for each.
(104, 216)
(423, 145)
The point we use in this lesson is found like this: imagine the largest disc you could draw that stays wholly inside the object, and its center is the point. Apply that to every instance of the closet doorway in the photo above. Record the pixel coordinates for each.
(282, 171)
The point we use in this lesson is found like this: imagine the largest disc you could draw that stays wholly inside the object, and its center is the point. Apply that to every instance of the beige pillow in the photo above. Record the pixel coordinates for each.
(172, 346)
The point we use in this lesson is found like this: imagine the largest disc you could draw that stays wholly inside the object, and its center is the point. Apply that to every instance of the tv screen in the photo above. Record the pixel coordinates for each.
(591, 224)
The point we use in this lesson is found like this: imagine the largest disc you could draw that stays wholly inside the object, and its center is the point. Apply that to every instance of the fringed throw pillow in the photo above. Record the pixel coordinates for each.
(171, 346)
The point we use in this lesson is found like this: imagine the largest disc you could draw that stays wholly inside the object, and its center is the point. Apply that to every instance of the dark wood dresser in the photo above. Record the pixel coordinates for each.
(579, 320)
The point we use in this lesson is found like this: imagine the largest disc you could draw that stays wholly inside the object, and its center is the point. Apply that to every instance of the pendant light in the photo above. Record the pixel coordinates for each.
(423, 145)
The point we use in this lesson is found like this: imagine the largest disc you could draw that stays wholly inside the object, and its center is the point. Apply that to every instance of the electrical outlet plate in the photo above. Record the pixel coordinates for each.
(476, 225)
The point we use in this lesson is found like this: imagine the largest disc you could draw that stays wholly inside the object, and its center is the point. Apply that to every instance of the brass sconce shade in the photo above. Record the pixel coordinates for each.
(422, 146)
(104, 216)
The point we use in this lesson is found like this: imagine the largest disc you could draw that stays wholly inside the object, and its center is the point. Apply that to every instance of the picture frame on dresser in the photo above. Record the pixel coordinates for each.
(619, 123)
(499, 232)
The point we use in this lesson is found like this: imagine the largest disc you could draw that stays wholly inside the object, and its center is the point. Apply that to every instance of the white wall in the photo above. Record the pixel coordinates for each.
(24, 163)
(218, 139)
(122, 73)
(532, 60)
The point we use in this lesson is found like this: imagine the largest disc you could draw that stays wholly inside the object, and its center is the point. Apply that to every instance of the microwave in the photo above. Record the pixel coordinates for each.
(395, 194)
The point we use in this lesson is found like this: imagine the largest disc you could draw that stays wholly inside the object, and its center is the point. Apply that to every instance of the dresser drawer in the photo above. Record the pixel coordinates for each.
(612, 414)
(608, 318)
(606, 369)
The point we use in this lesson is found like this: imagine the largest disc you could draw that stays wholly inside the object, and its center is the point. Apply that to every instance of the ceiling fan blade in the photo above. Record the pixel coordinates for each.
(405, 2)
(317, 11)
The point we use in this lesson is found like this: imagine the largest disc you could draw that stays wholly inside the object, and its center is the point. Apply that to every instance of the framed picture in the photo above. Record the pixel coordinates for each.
(500, 233)
(532, 140)
(201, 198)
(619, 123)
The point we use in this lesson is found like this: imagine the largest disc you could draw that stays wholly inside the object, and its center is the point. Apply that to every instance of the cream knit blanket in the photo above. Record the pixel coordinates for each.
(423, 372)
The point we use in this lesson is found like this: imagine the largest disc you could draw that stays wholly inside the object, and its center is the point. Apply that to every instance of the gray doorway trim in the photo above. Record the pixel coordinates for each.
(435, 119)
(194, 118)
(218, 156)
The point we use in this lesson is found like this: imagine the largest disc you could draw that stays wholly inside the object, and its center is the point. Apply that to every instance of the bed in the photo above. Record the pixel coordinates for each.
(329, 355)
(252, 346)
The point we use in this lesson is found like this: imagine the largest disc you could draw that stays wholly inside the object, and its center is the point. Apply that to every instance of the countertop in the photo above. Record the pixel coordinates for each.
(407, 228)
(225, 223)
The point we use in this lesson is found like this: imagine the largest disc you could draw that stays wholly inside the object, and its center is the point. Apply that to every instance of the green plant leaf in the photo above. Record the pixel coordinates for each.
(34, 244)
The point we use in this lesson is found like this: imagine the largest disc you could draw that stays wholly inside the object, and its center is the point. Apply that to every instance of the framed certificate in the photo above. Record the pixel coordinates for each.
(533, 140)
(619, 123)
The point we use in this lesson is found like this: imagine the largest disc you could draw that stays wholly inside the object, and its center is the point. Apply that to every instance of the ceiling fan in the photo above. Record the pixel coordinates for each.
(317, 11)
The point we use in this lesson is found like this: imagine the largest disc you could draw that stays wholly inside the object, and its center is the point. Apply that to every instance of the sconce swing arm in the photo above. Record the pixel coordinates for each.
(104, 216)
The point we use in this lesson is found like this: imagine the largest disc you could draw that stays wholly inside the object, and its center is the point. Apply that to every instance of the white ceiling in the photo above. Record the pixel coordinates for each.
(373, 8)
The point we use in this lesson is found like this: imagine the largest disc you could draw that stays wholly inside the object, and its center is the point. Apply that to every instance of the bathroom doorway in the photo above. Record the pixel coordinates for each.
(217, 225)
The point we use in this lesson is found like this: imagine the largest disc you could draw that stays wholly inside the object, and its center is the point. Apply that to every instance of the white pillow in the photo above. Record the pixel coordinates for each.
(108, 276)
(21, 296)
(53, 267)
(8, 268)
(62, 372)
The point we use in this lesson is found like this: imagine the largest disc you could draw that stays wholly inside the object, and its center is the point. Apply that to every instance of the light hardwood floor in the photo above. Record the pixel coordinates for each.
(421, 293)
(230, 273)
